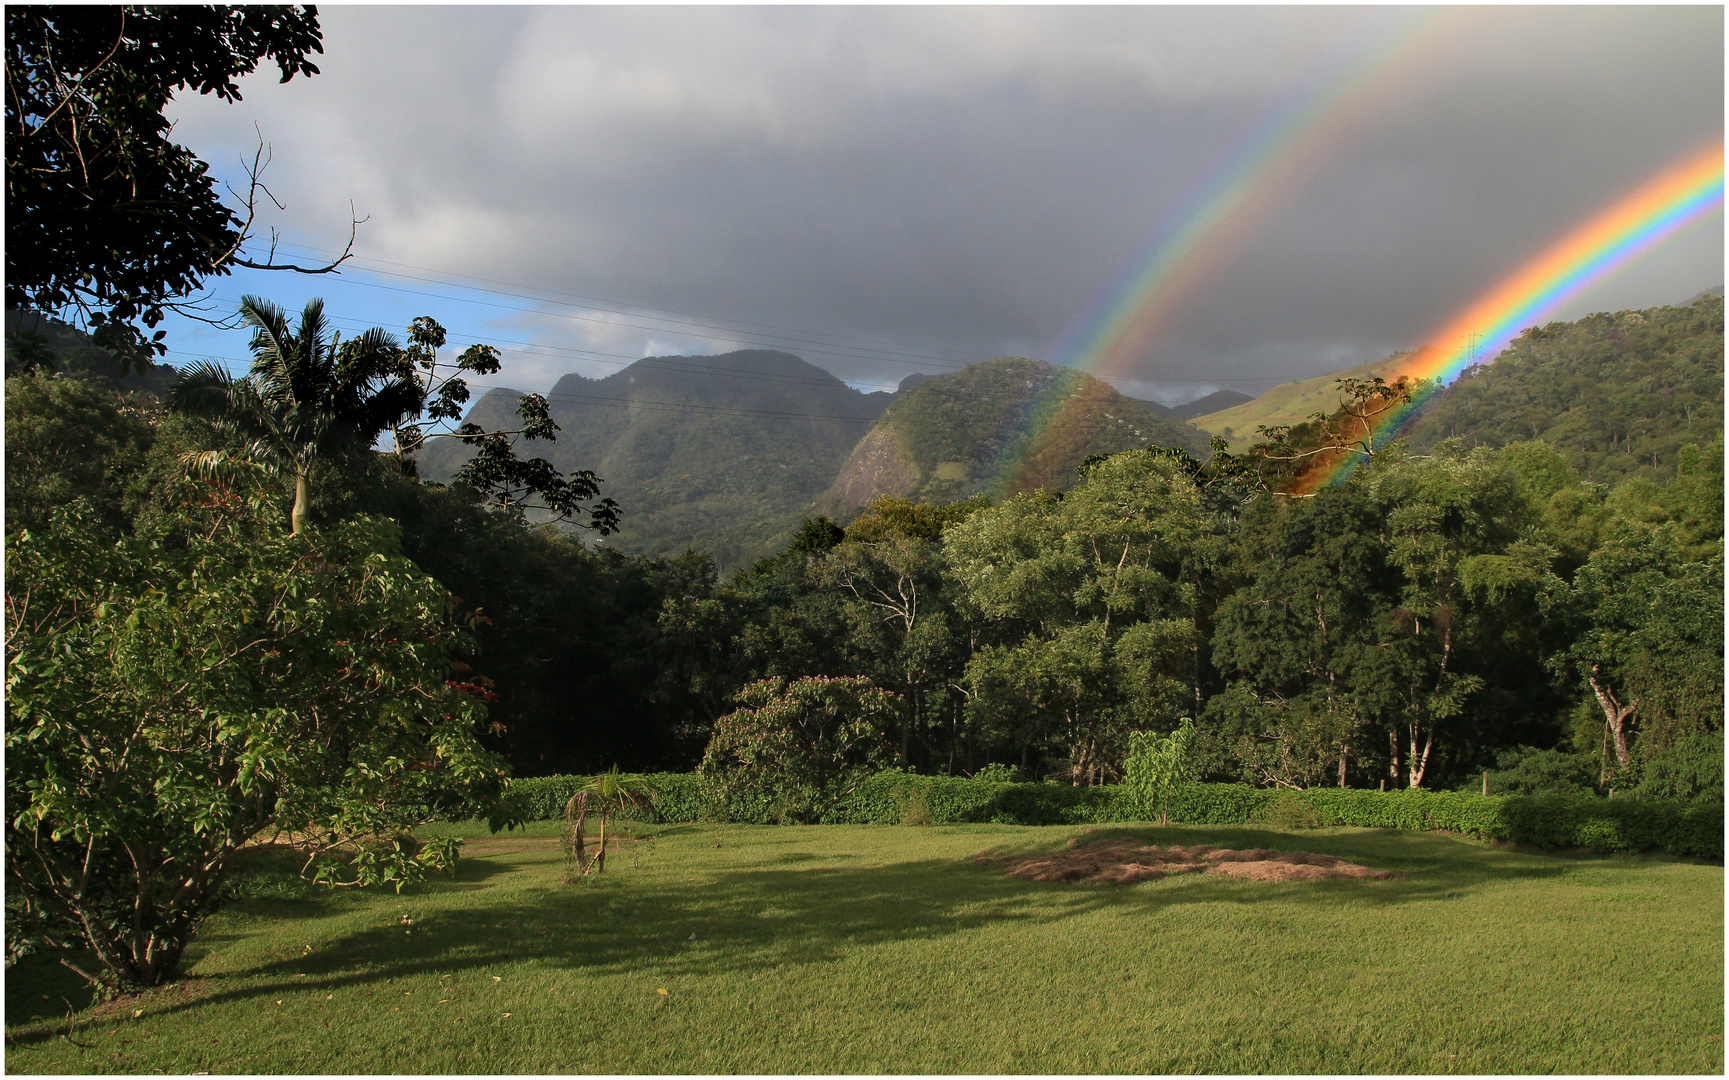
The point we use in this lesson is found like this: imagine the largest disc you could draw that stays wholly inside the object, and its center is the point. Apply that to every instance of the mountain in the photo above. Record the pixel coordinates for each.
(1618, 394)
(1290, 403)
(1216, 401)
(721, 453)
(958, 435)
(76, 354)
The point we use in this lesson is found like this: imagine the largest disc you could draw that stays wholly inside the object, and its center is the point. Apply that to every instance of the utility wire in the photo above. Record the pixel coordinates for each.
(625, 307)
(651, 405)
(623, 360)
(820, 345)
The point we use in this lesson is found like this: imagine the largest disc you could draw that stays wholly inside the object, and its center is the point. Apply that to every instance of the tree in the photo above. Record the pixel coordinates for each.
(605, 795)
(1296, 458)
(890, 567)
(1089, 605)
(507, 481)
(1401, 601)
(168, 703)
(66, 438)
(1157, 764)
(1645, 634)
(804, 744)
(105, 214)
(308, 396)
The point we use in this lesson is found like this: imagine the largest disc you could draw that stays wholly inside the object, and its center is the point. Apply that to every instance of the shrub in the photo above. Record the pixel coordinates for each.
(1689, 770)
(893, 797)
(1529, 771)
(804, 743)
(914, 804)
(1291, 812)
(1156, 765)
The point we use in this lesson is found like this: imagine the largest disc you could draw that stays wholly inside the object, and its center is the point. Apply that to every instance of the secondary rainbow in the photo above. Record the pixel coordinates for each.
(1153, 284)
(1675, 198)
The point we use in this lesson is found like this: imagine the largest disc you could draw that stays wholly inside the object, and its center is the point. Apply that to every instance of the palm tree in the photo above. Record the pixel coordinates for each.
(607, 794)
(306, 396)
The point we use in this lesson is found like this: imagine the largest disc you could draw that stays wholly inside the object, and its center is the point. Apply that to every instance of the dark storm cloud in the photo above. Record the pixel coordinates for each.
(967, 178)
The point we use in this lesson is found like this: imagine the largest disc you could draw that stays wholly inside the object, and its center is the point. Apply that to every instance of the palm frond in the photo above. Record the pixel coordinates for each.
(220, 465)
(202, 389)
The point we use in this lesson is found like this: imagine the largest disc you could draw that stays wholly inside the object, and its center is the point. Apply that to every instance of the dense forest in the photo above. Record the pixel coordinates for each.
(1617, 394)
(1481, 606)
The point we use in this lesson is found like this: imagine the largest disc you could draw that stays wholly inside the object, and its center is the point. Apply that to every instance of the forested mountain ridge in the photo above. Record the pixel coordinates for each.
(1617, 394)
(75, 353)
(1217, 401)
(720, 453)
(726, 454)
(977, 431)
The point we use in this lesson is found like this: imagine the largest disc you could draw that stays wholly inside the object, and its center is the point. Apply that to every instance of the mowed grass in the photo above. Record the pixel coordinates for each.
(888, 949)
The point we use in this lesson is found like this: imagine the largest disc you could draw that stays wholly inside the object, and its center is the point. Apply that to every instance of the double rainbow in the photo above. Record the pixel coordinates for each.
(1675, 198)
(1154, 284)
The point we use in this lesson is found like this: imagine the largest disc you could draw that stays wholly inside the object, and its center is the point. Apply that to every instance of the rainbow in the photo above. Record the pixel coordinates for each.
(1680, 195)
(1153, 284)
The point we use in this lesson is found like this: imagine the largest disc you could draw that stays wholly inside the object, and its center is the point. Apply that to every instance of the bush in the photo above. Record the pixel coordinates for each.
(804, 743)
(1291, 812)
(896, 798)
(1527, 770)
(1689, 770)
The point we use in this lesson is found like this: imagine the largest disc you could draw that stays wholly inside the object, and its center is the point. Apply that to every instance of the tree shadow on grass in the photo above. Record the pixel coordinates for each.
(769, 915)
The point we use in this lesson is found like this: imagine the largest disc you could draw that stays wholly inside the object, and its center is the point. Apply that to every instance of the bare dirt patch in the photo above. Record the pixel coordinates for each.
(1123, 861)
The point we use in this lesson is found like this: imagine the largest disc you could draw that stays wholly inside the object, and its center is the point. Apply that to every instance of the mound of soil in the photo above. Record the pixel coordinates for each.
(1124, 861)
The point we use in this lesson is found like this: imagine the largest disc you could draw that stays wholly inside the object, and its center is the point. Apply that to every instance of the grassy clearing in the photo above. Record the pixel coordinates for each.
(867, 949)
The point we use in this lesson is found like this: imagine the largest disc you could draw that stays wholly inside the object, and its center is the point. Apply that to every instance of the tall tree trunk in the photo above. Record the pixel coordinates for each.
(1420, 765)
(954, 735)
(1615, 714)
(1393, 759)
(302, 503)
(907, 721)
(1343, 754)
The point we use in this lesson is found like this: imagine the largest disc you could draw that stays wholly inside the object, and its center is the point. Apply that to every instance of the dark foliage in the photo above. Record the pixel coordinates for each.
(121, 220)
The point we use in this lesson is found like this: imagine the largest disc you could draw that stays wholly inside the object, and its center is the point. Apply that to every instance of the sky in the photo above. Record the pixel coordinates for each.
(892, 190)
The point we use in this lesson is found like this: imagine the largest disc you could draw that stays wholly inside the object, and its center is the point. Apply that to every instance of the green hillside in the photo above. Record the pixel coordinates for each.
(721, 453)
(976, 431)
(76, 354)
(1217, 401)
(1618, 394)
(1290, 403)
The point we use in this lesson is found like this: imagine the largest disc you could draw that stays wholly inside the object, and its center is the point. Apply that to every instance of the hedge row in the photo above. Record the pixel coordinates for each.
(893, 798)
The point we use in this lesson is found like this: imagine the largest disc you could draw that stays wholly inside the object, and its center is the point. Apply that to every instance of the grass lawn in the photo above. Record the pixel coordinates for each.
(887, 949)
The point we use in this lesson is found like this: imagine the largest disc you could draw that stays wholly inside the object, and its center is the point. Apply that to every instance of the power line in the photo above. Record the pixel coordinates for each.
(624, 360)
(623, 306)
(652, 405)
(801, 339)
(830, 344)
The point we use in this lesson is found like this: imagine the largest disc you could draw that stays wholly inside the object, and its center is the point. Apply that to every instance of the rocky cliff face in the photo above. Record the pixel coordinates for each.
(880, 465)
